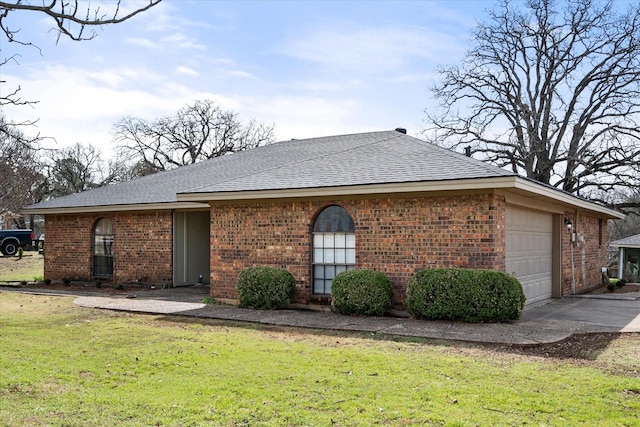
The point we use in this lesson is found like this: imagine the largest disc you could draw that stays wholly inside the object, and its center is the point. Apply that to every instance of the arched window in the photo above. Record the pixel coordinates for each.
(334, 247)
(103, 248)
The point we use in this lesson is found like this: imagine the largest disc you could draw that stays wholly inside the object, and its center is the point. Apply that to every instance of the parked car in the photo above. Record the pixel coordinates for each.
(11, 240)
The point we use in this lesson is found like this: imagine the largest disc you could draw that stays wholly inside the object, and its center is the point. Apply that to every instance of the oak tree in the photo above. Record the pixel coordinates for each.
(551, 90)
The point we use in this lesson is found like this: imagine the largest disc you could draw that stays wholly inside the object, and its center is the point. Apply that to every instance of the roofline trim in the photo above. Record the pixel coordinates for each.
(117, 208)
(623, 245)
(500, 182)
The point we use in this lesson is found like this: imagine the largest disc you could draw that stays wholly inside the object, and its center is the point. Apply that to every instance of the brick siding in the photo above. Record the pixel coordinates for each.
(589, 254)
(394, 235)
(143, 246)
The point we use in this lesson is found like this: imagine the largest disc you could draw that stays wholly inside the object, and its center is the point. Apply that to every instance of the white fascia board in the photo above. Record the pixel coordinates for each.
(503, 182)
(559, 196)
(618, 245)
(117, 208)
(352, 190)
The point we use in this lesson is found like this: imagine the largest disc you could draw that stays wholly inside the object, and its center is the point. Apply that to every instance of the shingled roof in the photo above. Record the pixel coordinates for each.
(306, 166)
(627, 242)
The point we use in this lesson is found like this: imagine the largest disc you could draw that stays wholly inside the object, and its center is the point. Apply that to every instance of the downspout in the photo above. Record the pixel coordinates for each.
(620, 262)
(571, 241)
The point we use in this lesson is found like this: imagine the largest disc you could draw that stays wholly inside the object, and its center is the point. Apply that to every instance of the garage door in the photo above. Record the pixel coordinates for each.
(529, 245)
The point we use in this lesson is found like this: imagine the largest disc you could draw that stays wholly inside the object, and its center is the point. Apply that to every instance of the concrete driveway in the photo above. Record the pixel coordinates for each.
(599, 313)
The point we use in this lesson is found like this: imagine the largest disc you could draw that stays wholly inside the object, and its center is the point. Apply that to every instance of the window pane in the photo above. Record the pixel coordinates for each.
(328, 256)
(318, 271)
(340, 269)
(328, 240)
(350, 256)
(317, 255)
(340, 240)
(103, 226)
(318, 238)
(350, 241)
(334, 219)
(103, 245)
(327, 287)
(318, 286)
(330, 272)
(340, 256)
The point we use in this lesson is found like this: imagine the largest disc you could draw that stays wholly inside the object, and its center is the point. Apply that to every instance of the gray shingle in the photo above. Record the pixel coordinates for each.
(628, 242)
(357, 159)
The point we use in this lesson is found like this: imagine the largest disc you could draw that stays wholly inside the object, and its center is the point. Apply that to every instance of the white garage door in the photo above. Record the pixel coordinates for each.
(529, 244)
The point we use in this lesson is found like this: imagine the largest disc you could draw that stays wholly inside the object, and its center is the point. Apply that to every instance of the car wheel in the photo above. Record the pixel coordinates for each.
(9, 249)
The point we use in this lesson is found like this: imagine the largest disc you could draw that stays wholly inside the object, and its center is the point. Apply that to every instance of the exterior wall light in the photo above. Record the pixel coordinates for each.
(568, 223)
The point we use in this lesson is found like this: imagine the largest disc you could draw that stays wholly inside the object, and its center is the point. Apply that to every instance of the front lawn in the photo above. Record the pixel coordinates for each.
(65, 365)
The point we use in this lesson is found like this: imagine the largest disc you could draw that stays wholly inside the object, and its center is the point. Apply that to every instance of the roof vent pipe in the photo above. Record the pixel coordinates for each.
(467, 151)
(401, 130)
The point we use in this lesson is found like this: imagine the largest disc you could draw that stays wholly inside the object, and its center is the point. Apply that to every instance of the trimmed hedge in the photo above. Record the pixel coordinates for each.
(364, 292)
(265, 288)
(465, 294)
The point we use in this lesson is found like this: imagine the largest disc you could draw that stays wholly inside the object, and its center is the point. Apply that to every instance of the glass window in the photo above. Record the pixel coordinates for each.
(103, 248)
(334, 247)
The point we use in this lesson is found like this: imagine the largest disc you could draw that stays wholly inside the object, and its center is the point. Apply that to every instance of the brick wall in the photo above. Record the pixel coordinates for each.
(589, 253)
(394, 235)
(143, 246)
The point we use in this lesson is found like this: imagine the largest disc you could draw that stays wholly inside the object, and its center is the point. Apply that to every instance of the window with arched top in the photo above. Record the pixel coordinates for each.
(334, 247)
(103, 248)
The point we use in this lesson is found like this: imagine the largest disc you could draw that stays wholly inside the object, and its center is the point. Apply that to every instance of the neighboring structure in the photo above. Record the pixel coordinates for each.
(379, 200)
(628, 257)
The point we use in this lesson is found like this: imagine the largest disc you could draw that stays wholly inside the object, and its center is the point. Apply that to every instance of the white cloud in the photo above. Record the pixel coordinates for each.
(369, 49)
(142, 42)
(181, 69)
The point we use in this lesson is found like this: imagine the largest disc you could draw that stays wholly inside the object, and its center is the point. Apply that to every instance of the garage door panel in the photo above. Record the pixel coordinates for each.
(529, 242)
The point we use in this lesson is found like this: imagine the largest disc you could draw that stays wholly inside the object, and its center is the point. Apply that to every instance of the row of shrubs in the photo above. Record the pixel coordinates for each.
(436, 294)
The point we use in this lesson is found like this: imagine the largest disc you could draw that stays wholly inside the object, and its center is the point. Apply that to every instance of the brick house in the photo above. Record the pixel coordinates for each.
(379, 200)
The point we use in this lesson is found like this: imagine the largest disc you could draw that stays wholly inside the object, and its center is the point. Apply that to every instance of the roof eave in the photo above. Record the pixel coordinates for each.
(115, 208)
(492, 183)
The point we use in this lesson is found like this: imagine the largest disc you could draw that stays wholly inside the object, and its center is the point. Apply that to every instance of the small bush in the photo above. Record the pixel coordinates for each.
(209, 300)
(265, 288)
(47, 282)
(119, 287)
(20, 253)
(66, 281)
(364, 292)
(621, 282)
(98, 284)
(611, 287)
(23, 283)
(464, 294)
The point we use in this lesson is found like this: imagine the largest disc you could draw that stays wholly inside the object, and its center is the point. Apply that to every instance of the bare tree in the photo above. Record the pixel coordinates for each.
(77, 168)
(550, 89)
(197, 132)
(71, 19)
(21, 172)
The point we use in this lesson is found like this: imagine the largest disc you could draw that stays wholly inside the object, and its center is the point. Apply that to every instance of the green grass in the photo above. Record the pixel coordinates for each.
(29, 267)
(62, 365)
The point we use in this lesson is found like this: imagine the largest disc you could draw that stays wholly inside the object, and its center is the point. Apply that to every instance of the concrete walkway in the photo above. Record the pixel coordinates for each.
(548, 323)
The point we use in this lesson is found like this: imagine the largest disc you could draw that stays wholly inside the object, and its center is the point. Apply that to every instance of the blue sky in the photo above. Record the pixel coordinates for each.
(310, 68)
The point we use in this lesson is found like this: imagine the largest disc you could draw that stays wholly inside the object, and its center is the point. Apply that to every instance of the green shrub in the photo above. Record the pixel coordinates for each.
(47, 282)
(611, 287)
(265, 288)
(66, 281)
(621, 282)
(464, 294)
(119, 287)
(364, 292)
